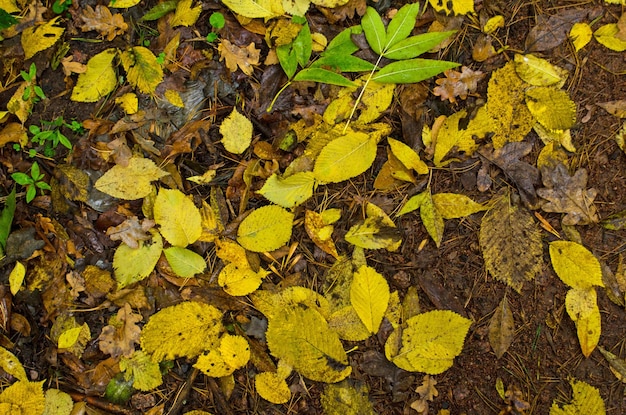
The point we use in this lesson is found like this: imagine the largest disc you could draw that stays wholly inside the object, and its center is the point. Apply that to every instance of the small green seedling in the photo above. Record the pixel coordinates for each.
(33, 92)
(217, 22)
(50, 135)
(32, 182)
(6, 20)
(61, 6)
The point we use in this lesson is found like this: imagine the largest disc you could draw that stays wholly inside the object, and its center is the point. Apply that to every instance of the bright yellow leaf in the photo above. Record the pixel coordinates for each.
(606, 35)
(178, 218)
(123, 4)
(580, 34)
(553, 108)
(539, 72)
(407, 156)
(236, 131)
(265, 229)
(494, 23)
(9, 6)
(586, 400)
(231, 252)
(99, 80)
(235, 350)
(369, 295)
(174, 98)
(144, 371)
(256, 8)
(142, 69)
(23, 398)
(575, 265)
(329, 3)
(456, 7)
(240, 280)
(431, 218)
(185, 329)
(184, 262)
(582, 307)
(289, 191)
(272, 387)
(134, 264)
(185, 15)
(38, 38)
(453, 205)
(132, 181)
(345, 157)
(11, 364)
(128, 102)
(451, 136)
(16, 277)
(18, 106)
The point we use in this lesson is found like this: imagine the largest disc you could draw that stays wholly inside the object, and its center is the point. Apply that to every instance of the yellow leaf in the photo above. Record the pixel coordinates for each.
(235, 56)
(236, 131)
(13, 132)
(431, 341)
(144, 371)
(298, 8)
(184, 262)
(265, 229)
(575, 265)
(580, 34)
(320, 230)
(452, 205)
(345, 157)
(18, 106)
(376, 99)
(552, 107)
(539, 72)
(235, 350)
(493, 24)
(11, 364)
(290, 191)
(456, 7)
(69, 338)
(451, 136)
(16, 277)
(185, 329)
(273, 304)
(369, 295)
(240, 280)
(348, 397)
(179, 219)
(256, 8)
(206, 178)
(142, 69)
(38, 38)
(606, 35)
(329, 3)
(348, 325)
(132, 181)
(431, 218)
(99, 80)
(586, 400)
(272, 387)
(58, 403)
(376, 232)
(128, 102)
(174, 98)
(133, 265)
(185, 15)
(231, 252)
(414, 203)
(582, 307)
(561, 137)
(9, 6)
(23, 398)
(123, 4)
(407, 156)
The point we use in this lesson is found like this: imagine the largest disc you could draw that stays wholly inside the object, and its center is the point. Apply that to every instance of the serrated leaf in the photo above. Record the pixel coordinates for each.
(586, 400)
(272, 387)
(184, 262)
(431, 341)
(256, 8)
(501, 328)
(142, 69)
(265, 229)
(553, 108)
(58, 403)
(369, 295)
(511, 244)
(11, 365)
(290, 191)
(129, 102)
(182, 330)
(133, 265)
(453, 205)
(345, 157)
(41, 37)
(178, 218)
(374, 30)
(132, 181)
(185, 15)
(575, 265)
(236, 131)
(99, 79)
(412, 71)
(143, 370)
(580, 35)
(607, 36)
(451, 135)
(416, 45)
(23, 398)
(539, 72)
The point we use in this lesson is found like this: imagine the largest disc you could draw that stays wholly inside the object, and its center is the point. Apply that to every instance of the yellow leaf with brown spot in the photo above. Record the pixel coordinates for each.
(142, 69)
(185, 15)
(38, 38)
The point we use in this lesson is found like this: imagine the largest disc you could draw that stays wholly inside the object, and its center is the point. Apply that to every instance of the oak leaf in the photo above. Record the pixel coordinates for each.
(102, 20)
(236, 56)
(120, 337)
(131, 231)
(457, 84)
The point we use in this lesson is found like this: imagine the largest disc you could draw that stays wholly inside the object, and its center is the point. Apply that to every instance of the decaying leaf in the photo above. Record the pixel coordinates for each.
(451, 134)
(132, 181)
(37, 38)
(501, 328)
(185, 15)
(272, 387)
(580, 35)
(346, 398)
(586, 400)
(568, 194)
(616, 364)
(607, 35)
(617, 108)
(11, 365)
(427, 392)
(552, 107)
(539, 72)
(23, 397)
(548, 33)
(511, 244)
(131, 231)
(456, 7)
(457, 84)
(319, 227)
(239, 57)
(375, 232)
(101, 19)
(144, 371)
(120, 336)
(233, 352)
(143, 71)
(256, 8)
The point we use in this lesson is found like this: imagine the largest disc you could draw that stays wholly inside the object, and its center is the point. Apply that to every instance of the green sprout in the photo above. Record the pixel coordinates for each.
(33, 92)
(32, 182)
(218, 22)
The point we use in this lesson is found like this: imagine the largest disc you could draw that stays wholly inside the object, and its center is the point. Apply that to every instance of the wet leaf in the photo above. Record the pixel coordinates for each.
(184, 262)
(586, 400)
(407, 156)
(369, 295)
(548, 33)
(142, 69)
(101, 19)
(272, 387)
(265, 229)
(582, 307)
(346, 398)
(240, 279)
(348, 325)
(345, 157)
(178, 218)
(452, 134)
(320, 229)
(11, 365)
(233, 352)
(432, 219)
(236, 131)
(501, 328)
(99, 79)
(132, 181)
(289, 191)
(456, 7)
(133, 265)
(129, 102)
(376, 232)
(511, 244)
(144, 371)
(575, 265)
(131, 231)
(617, 108)
(121, 335)
(37, 38)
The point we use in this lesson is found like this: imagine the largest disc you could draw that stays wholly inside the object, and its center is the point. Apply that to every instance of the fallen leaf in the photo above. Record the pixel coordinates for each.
(548, 33)
(539, 72)
(346, 398)
(142, 69)
(586, 400)
(272, 387)
(131, 231)
(185, 15)
(131, 182)
(98, 80)
(265, 229)
(575, 265)
(23, 397)
(617, 365)
(375, 232)
(102, 20)
(617, 108)
(501, 328)
(319, 227)
(607, 35)
(582, 307)
(122, 334)
(133, 265)
(144, 372)
(456, 7)
(37, 38)
(457, 84)
(239, 57)
(581, 35)
(551, 107)
(369, 295)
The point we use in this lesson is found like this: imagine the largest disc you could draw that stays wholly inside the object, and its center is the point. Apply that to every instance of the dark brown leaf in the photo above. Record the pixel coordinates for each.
(501, 328)
(549, 33)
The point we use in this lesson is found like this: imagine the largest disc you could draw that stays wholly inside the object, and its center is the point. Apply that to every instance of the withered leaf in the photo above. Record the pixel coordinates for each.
(550, 33)
(120, 338)
(235, 56)
(524, 175)
(617, 108)
(457, 84)
(501, 328)
(131, 231)
(73, 183)
(568, 194)
(102, 20)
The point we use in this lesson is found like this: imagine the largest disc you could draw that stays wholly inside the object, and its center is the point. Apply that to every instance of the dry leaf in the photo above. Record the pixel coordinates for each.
(501, 328)
(617, 108)
(236, 56)
(119, 338)
(131, 231)
(102, 20)
(457, 84)
(550, 33)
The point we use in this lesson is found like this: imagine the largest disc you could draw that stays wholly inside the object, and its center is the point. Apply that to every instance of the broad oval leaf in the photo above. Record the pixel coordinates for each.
(453, 205)
(374, 29)
(345, 157)
(255, 8)
(416, 45)
(134, 264)
(369, 295)
(272, 387)
(265, 229)
(179, 219)
(407, 156)
(132, 181)
(412, 71)
(236, 131)
(322, 75)
(240, 280)
(586, 400)
(142, 69)
(575, 265)
(401, 25)
(99, 79)
(289, 191)
(552, 107)
(539, 72)
(184, 262)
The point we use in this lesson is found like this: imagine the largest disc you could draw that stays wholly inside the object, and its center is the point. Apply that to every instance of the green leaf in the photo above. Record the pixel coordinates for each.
(374, 29)
(6, 218)
(322, 75)
(343, 63)
(159, 11)
(401, 25)
(412, 71)
(6, 20)
(289, 191)
(184, 262)
(22, 178)
(302, 45)
(342, 44)
(416, 45)
(288, 59)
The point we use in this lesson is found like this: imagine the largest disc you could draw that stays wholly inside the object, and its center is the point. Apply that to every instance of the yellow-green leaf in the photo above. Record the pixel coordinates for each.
(553, 108)
(580, 34)
(273, 304)
(134, 264)
(290, 191)
(586, 400)
(58, 403)
(456, 7)
(575, 265)
(11, 364)
(432, 219)
(185, 329)
(185, 15)
(144, 371)
(23, 398)
(348, 397)
(348, 325)
(129, 102)
(453, 205)
(431, 341)
(178, 218)
(369, 295)
(123, 4)
(240, 280)
(493, 24)
(272, 387)
(539, 72)
(16, 277)
(132, 181)
(184, 262)
(256, 8)
(407, 156)
(142, 69)
(236, 131)
(265, 229)
(99, 79)
(607, 36)
(376, 232)
(582, 307)
(345, 157)
(41, 37)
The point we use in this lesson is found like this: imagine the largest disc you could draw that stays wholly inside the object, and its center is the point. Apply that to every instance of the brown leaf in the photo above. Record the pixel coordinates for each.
(457, 84)
(501, 328)
(550, 33)
(427, 390)
(347, 11)
(120, 339)
(568, 194)
(236, 56)
(102, 20)
(186, 139)
(131, 231)
(617, 108)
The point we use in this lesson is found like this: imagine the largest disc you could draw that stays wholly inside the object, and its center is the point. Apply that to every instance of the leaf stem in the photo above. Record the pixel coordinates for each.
(269, 109)
(358, 100)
